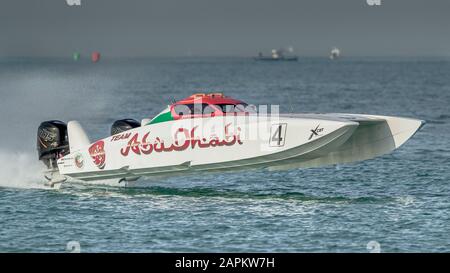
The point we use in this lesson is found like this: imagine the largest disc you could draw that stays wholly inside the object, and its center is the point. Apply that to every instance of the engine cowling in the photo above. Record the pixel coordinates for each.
(123, 125)
(52, 142)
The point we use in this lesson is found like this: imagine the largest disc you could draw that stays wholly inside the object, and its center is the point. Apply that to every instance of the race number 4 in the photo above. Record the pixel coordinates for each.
(277, 135)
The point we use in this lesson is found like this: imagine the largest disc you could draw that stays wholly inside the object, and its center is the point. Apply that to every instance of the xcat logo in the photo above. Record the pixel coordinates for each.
(315, 132)
(73, 2)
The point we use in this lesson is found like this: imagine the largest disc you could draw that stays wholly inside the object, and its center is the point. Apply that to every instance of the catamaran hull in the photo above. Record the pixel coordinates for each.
(375, 136)
(235, 143)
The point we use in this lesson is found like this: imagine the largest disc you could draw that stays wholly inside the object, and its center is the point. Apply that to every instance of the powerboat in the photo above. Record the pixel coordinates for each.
(213, 132)
(335, 53)
(277, 55)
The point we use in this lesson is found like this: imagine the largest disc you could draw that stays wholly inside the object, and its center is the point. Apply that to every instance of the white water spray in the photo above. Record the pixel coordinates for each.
(20, 170)
(31, 95)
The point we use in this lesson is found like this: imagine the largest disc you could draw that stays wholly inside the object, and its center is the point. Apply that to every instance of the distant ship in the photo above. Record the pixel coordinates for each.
(335, 53)
(277, 55)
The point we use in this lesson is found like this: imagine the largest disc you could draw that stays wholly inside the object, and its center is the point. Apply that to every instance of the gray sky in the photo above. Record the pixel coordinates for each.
(224, 27)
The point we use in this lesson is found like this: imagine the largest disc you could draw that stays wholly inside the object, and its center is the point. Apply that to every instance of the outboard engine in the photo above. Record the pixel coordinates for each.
(123, 125)
(52, 142)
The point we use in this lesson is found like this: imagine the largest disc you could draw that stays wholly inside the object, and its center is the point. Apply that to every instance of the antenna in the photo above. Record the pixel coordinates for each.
(290, 106)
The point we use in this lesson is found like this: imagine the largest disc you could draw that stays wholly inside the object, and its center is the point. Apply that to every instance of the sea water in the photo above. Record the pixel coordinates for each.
(395, 203)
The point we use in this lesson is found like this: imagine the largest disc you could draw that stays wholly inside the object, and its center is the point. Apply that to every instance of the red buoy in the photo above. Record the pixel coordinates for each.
(95, 56)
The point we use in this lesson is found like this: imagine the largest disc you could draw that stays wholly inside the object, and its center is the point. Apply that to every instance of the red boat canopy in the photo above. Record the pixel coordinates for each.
(211, 98)
(201, 105)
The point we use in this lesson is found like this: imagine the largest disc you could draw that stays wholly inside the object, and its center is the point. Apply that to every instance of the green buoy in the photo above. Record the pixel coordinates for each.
(76, 56)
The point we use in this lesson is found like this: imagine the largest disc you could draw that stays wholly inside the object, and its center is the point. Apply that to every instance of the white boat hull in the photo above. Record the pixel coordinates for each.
(235, 143)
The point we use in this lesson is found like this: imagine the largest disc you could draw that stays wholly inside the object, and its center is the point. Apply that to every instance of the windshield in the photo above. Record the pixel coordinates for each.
(232, 108)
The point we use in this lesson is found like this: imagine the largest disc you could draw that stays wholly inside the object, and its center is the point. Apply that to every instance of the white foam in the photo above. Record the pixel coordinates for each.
(21, 170)
(32, 97)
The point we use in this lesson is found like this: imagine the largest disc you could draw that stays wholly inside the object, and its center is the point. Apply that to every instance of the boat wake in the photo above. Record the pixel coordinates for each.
(223, 194)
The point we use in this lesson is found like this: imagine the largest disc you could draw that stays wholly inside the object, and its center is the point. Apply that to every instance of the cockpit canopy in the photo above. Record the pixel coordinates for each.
(203, 105)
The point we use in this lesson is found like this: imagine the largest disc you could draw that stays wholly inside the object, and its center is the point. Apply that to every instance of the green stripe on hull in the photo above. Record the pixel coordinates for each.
(167, 116)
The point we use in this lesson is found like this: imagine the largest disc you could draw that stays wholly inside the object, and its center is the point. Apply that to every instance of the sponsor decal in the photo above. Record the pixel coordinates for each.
(145, 146)
(120, 137)
(79, 161)
(315, 132)
(66, 162)
(97, 152)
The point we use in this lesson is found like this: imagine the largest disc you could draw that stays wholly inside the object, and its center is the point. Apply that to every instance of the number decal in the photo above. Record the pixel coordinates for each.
(278, 135)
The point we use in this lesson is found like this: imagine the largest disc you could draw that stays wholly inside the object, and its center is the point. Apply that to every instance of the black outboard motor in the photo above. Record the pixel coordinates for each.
(52, 142)
(123, 125)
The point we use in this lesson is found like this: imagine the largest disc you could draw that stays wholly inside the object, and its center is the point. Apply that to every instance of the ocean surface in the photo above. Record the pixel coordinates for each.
(399, 202)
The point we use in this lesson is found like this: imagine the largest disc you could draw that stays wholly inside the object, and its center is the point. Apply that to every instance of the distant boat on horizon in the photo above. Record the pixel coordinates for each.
(335, 53)
(277, 55)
